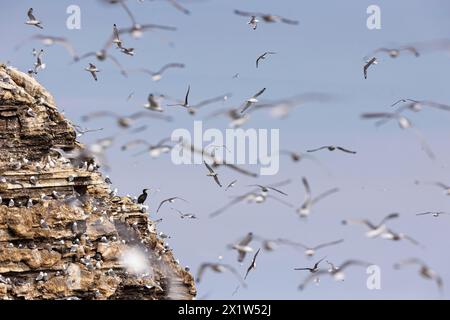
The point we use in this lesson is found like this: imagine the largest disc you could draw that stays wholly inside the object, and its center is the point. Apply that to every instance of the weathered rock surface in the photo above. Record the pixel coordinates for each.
(63, 233)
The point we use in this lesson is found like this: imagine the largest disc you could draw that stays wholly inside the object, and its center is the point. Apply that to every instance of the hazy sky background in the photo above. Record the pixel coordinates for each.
(324, 53)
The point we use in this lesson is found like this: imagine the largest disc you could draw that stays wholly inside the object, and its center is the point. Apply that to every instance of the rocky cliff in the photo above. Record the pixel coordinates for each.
(63, 233)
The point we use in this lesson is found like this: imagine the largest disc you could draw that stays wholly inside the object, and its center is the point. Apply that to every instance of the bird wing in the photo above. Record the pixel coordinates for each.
(171, 65)
(201, 270)
(318, 262)
(230, 184)
(117, 63)
(327, 244)
(236, 274)
(307, 187)
(187, 96)
(246, 240)
(30, 14)
(311, 277)
(388, 217)
(346, 150)
(279, 191)
(161, 203)
(150, 114)
(289, 21)
(257, 60)
(239, 169)
(245, 13)
(259, 93)
(324, 195)
(228, 205)
(290, 205)
(408, 262)
(133, 143)
(216, 179)
(157, 26)
(209, 167)
(246, 106)
(179, 7)
(349, 263)
(301, 269)
(291, 243)
(317, 149)
(98, 114)
(212, 100)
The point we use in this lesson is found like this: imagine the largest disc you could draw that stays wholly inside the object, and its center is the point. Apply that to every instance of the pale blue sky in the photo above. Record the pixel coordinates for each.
(323, 53)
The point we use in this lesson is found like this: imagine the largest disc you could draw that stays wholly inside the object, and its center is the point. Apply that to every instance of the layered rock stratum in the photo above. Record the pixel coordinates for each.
(63, 233)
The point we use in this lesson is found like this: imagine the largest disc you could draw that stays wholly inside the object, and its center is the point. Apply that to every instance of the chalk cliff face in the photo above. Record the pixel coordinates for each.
(63, 233)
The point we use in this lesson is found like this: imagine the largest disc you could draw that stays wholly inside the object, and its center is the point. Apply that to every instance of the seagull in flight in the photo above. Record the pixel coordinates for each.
(433, 213)
(252, 100)
(230, 185)
(337, 273)
(333, 148)
(32, 21)
(265, 189)
(309, 251)
(218, 268)
(263, 57)
(242, 247)
(169, 200)
(213, 174)
(125, 121)
(370, 62)
(395, 52)
(253, 197)
(266, 17)
(93, 70)
(252, 265)
(50, 41)
(185, 104)
(313, 269)
(404, 123)
(116, 37)
(185, 215)
(417, 105)
(153, 103)
(443, 186)
(375, 229)
(424, 271)
(305, 210)
(157, 75)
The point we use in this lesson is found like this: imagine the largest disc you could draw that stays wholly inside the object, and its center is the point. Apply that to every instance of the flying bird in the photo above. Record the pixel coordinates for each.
(126, 121)
(32, 21)
(263, 57)
(213, 174)
(93, 70)
(242, 247)
(424, 271)
(218, 268)
(433, 213)
(395, 52)
(312, 269)
(249, 102)
(375, 230)
(336, 273)
(52, 40)
(266, 17)
(265, 189)
(157, 75)
(169, 200)
(185, 215)
(230, 185)
(333, 148)
(443, 186)
(252, 265)
(309, 251)
(305, 209)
